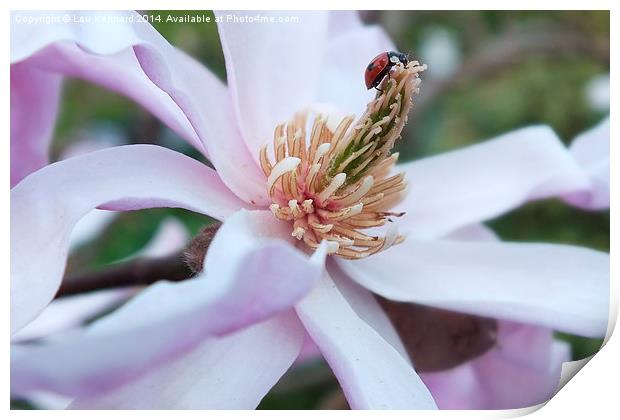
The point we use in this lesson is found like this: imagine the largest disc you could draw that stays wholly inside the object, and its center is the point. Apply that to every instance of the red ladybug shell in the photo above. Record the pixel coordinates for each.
(376, 69)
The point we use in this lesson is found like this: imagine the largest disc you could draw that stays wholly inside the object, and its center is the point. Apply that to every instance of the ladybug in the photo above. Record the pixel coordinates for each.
(381, 65)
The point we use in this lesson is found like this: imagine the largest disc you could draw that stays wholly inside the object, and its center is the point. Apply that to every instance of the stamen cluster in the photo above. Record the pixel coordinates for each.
(332, 184)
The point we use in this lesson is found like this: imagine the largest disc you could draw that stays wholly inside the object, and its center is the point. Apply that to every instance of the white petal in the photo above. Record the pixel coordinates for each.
(90, 226)
(521, 371)
(562, 287)
(46, 206)
(272, 68)
(483, 181)
(220, 373)
(247, 279)
(591, 150)
(71, 311)
(372, 373)
(367, 308)
(135, 60)
(171, 236)
(35, 95)
(347, 56)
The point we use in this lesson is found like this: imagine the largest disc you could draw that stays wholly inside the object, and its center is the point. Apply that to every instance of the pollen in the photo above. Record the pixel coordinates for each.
(337, 185)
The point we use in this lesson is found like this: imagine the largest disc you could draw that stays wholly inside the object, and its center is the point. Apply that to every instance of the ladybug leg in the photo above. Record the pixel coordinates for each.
(389, 75)
(379, 82)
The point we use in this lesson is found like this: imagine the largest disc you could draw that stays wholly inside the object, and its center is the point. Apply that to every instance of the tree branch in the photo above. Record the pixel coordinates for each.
(144, 271)
(138, 272)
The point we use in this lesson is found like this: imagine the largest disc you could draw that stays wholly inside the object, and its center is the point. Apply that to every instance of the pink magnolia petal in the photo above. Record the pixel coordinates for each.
(456, 389)
(135, 60)
(69, 312)
(46, 206)
(73, 311)
(475, 232)
(247, 278)
(34, 105)
(207, 104)
(90, 226)
(485, 180)
(523, 370)
(309, 351)
(272, 69)
(367, 308)
(510, 385)
(591, 150)
(220, 373)
(343, 21)
(562, 287)
(525, 345)
(96, 53)
(171, 236)
(373, 375)
(347, 55)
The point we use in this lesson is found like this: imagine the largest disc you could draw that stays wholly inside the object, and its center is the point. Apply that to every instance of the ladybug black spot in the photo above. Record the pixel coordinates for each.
(370, 67)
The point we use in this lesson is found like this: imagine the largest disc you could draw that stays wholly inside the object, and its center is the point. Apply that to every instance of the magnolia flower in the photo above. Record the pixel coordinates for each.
(223, 338)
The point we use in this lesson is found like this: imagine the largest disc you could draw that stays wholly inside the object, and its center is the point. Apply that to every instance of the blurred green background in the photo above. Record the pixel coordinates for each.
(489, 72)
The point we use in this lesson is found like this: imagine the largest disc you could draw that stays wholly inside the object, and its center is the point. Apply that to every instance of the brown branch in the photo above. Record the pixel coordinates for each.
(438, 339)
(144, 271)
(138, 272)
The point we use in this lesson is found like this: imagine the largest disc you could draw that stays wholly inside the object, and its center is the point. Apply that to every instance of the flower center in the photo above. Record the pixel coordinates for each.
(332, 185)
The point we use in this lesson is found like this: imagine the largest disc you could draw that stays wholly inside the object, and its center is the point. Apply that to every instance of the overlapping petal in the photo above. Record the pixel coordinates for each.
(272, 68)
(591, 150)
(46, 206)
(73, 311)
(483, 181)
(366, 307)
(523, 370)
(220, 373)
(135, 60)
(94, 52)
(243, 283)
(90, 227)
(118, 71)
(343, 21)
(34, 105)
(372, 373)
(207, 104)
(558, 286)
(70, 312)
(348, 52)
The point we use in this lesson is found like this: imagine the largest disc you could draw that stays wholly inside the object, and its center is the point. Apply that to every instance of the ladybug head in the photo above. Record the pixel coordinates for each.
(396, 57)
